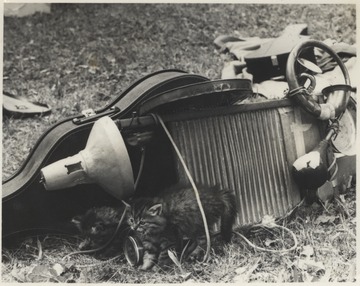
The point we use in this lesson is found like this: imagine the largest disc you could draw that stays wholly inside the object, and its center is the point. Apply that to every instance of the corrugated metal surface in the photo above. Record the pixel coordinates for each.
(244, 152)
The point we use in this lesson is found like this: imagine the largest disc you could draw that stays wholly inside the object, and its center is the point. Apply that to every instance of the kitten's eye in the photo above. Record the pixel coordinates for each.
(131, 220)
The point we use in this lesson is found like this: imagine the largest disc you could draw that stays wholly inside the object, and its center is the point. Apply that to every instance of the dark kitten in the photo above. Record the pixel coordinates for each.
(180, 207)
(176, 211)
(156, 235)
(98, 225)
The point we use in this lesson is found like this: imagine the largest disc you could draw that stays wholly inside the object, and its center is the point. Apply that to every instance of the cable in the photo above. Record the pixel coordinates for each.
(122, 217)
(208, 243)
(271, 250)
(141, 167)
(107, 243)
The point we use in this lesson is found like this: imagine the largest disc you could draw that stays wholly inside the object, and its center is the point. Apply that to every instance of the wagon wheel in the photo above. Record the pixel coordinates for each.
(337, 95)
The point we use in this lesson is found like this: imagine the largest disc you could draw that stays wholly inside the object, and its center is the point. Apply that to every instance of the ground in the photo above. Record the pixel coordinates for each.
(82, 56)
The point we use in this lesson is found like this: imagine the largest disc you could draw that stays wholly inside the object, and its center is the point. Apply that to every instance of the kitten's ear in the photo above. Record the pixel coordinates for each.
(155, 210)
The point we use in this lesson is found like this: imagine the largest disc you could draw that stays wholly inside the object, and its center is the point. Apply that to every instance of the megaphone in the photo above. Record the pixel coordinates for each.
(104, 161)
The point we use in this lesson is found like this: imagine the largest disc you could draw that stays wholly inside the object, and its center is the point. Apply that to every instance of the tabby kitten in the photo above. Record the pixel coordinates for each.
(156, 235)
(176, 211)
(98, 225)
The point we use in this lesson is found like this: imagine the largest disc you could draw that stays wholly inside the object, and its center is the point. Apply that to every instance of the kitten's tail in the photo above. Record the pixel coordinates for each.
(229, 215)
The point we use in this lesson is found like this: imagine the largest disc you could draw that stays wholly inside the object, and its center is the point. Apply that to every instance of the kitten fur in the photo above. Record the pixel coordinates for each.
(98, 225)
(176, 210)
(156, 235)
(180, 207)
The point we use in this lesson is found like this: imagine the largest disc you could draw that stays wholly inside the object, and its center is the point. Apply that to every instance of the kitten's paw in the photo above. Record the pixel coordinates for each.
(197, 254)
(148, 261)
(145, 267)
(85, 244)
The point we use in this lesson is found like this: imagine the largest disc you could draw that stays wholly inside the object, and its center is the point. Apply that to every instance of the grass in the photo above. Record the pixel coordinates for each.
(82, 56)
(325, 252)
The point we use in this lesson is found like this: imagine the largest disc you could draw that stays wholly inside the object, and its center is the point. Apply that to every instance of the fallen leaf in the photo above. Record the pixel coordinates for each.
(19, 274)
(189, 281)
(93, 69)
(326, 192)
(306, 277)
(326, 277)
(40, 273)
(174, 258)
(307, 252)
(186, 276)
(308, 266)
(268, 221)
(270, 242)
(40, 255)
(283, 276)
(325, 219)
(243, 273)
(311, 266)
(297, 274)
(342, 198)
(57, 269)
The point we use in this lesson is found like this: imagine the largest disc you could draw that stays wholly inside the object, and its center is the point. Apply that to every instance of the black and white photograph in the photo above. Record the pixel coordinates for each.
(185, 142)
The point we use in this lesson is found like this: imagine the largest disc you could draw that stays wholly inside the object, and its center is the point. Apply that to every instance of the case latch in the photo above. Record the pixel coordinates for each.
(88, 112)
(91, 115)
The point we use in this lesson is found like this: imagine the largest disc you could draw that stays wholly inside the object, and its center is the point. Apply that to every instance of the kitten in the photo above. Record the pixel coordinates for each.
(98, 225)
(176, 210)
(156, 235)
(180, 207)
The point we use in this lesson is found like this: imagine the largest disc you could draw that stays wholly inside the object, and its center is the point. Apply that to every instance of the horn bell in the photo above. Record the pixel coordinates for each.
(104, 161)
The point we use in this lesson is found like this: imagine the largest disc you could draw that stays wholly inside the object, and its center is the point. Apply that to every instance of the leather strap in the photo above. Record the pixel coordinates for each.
(217, 92)
(157, 83)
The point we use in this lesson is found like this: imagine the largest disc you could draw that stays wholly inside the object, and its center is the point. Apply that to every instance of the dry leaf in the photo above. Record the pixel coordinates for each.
(342, 198)
(269, 242)
(186, 276)
(243, 273)
(326, 277)
(40, 273)
(268, 221)
(325, 219)
(19, 274)
(174, 258)
(311, 265)
(307, 252)
(57, 269)
(308, 265)
(40, 255)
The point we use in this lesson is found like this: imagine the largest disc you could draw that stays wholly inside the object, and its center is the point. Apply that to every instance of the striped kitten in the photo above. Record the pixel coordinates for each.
(175, 213)
(156, 235)
(98, 225)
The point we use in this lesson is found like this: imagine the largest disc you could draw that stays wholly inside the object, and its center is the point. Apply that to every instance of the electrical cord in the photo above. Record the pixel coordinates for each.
(108, 242)
(266, 249)
(208, 243)
(141, 167)
(127, 206)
